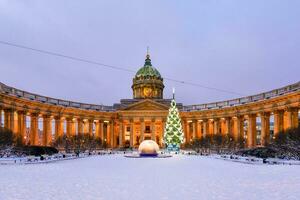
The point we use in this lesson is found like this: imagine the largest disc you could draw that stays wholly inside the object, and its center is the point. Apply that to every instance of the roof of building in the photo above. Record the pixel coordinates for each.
(148, 69)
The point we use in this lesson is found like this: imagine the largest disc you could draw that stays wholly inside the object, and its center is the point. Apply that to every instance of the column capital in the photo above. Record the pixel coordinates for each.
(239, 117)
(69, 118)
(278, 111)
(142, 119)
(46, 116)
(252, 115)
(216, 119)
(205, 120)
(153, 119)
(291, 109)
(265, 114)
(79, 119)
(34, 114)
(22, 112)
(58, 117)
(8, 109)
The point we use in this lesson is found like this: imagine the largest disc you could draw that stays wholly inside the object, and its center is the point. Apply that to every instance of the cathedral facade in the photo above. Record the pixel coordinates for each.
(256, 119)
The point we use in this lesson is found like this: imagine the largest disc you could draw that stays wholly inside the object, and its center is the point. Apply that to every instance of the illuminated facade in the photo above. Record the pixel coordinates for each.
(39, 120)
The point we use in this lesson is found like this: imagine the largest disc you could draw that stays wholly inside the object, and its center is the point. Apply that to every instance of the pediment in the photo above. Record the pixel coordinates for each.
(146, 105)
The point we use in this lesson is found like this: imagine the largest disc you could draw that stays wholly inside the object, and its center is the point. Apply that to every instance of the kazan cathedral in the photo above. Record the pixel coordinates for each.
(256, 119)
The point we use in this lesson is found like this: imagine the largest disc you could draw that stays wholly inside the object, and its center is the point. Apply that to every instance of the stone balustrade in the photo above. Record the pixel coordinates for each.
(35, 97)
(215, 105)
(244, 100)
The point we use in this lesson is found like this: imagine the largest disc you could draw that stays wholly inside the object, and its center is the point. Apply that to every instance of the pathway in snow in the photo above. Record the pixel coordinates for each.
(180, 177)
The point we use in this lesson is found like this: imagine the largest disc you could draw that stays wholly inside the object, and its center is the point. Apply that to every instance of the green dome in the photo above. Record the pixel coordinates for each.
(148, 70)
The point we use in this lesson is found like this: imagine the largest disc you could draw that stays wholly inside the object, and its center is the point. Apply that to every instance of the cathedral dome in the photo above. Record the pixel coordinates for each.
(147, 83)
(148, 70)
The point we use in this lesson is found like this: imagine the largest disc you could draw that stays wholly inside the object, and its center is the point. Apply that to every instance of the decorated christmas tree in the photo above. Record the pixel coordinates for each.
(173, 133)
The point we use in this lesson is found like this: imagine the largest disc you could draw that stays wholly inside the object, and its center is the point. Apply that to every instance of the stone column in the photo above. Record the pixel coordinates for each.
(34, 129)
(85, 127)
(97, 127)
(1, 117)
(142, 130)
(210, 130)
(278, 122)
(187, 131)
(69, 126)
(200, 129)
(265, 128)
(108, 134)
(295, 120)
(22, 126)
(13, 122)
(251, 135)
(195, 128)
(238, 128)
(153, 129)
(73, 130)
(9, 120)
(205, 127)
(91, 123)
(59, 129)
(222, 124)
(101, 130)
(161, 136)
(121, 132)
(47, 132)
(216, 126)
(292, 118)
(131, 133)
(112, 134)
(80, 125)
(228, 123)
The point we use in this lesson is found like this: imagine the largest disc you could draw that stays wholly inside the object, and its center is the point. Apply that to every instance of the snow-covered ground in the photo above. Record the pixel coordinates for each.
(180, 177)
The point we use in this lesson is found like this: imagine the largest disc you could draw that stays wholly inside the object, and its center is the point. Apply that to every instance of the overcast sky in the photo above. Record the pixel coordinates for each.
(241, 46)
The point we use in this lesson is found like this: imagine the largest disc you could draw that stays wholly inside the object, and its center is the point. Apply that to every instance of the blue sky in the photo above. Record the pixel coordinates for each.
(242, 46)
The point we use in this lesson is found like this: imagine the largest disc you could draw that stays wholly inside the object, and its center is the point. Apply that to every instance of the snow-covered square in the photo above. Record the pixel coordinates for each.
(179, 177)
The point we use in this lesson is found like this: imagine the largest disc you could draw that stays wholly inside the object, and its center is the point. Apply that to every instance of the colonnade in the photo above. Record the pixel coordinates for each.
(245, 126)
(27, 126)
(130, 131)
(116, 132)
